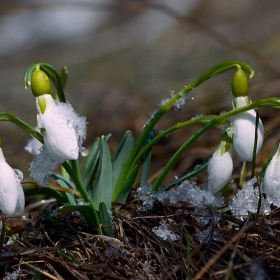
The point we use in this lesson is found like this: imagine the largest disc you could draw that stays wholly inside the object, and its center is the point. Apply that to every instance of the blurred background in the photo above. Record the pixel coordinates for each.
(124, 57)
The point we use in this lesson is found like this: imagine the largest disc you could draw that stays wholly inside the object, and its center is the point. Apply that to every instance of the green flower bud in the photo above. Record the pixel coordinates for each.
(40, 83)
(239, 84)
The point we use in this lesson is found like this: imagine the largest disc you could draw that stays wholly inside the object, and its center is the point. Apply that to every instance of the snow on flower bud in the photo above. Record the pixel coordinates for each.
(12, 199)
(220, 166)
(271, 179)
(244, 131)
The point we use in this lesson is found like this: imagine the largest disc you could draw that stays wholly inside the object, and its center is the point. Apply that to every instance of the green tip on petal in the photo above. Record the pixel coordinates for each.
(42, 104)
(239, 84)
(0, 142)
(40, 83)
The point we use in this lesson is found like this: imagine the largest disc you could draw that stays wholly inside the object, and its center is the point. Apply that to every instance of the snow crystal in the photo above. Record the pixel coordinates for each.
(41, 166)
(163, 232)
(66, 111)
(19, 174)
(180, 103)
(148, 196)
(207, 235)
(204, 215)
(247, 200)
(188, 191)
(199, 116)
(12, 276)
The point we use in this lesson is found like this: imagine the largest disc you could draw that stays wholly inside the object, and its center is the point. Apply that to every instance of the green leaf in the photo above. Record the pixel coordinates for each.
(85, 210)
(147, 159)
(91, 164)
(188, 175)
(126, 189)
(64, 182)
(121, 155)
(264, 169)
(105, 218)
(103, 187)
(46, 191)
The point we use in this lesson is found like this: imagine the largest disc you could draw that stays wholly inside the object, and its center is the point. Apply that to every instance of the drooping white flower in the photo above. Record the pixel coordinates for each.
(271, 179)
(220, 167)
(244, 131)
(12, 199)
(64, 130)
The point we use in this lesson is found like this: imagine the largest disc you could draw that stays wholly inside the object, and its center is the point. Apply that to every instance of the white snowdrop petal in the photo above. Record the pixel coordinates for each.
(20, 201)
(219, 170)
(61, 137)
(244, 135)
(272, 176)
(8, 187)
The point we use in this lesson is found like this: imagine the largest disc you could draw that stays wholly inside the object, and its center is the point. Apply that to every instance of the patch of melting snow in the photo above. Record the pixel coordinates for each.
(148, 196)
(163, 232)
(207, 235)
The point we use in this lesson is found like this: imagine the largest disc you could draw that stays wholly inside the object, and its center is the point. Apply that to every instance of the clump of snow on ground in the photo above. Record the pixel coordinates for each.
(164, 232)
(247, 200)
(207, 235)
(148, 196)
(188, 191)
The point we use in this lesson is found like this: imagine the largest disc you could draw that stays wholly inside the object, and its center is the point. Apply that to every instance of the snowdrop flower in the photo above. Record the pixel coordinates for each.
(62, 128)
(271, 179)
(244, 123)
(12, 199)
(220, 165)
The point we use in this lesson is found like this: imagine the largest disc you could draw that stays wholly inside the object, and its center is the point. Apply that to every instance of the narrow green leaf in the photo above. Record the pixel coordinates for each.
(188, 175)
(264, 169)
(91, 164)
(146, 169)
(105, 218)
(126, 189)
(46, 191)
(121, 155)
(85, 210)
(71, 199)
(103, 187)
(66, 183)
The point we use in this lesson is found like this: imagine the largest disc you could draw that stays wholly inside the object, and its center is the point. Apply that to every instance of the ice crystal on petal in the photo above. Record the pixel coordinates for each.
(66, 111)
(19, 174)
(41, 166)
(163, 232)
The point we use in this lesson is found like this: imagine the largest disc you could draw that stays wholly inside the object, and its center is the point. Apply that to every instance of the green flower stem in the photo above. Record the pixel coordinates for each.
(256, 105)
(83, 192)
(5, 116)
(213, 71)
(202, 120)
(76, 169)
